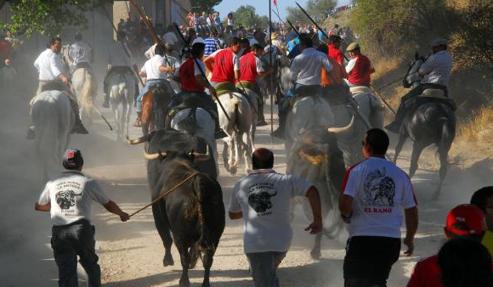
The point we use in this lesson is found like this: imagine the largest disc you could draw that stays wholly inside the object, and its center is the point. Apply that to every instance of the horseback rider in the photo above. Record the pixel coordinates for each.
(334, 51)
(193, 85)
(359, 68)
(436, 74)
(251, 68)
(225, 67)
(53, 77)
(118, 63)
(155, 71)
(305, 71)
(80, 53)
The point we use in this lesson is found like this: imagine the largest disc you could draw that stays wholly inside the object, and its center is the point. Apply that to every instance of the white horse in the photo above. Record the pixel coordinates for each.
(200, 124)
(238, 125)
(122, 89)
(53, 118)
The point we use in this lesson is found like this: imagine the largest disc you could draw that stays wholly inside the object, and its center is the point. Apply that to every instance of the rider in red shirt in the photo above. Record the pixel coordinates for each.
(334, 51)
(225, 67)
(359, 67)
(5, 52)
(193, 84)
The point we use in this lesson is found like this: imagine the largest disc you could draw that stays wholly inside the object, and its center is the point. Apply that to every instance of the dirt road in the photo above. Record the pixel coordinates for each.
(131, 253)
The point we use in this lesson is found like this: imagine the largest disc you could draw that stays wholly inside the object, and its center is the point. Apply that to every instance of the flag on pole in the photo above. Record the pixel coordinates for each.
(275, 2)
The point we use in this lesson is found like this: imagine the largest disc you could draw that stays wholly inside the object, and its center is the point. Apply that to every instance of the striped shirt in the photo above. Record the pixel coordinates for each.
(211, 46)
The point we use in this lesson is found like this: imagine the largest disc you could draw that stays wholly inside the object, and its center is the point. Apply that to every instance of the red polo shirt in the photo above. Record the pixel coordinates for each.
(187, 77)
(248, 67)
(360, 74)
(223, 66)
(335, 54)
(427, 273)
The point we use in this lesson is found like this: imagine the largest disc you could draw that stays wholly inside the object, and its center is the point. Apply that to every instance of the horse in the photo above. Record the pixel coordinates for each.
(53, 117)
(155, 107)
(432, 122)
(122, 92)
(238, 125)
(84, 86)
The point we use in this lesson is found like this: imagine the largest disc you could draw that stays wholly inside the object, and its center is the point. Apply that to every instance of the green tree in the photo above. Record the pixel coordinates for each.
(246, 16)
(47, 17)
(317, 9)
(204, 5)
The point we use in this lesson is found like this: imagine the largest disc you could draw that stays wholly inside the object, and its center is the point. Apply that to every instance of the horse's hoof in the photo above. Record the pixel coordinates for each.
(315, 254)
(168, 261)
(184, 282)
(233, 170)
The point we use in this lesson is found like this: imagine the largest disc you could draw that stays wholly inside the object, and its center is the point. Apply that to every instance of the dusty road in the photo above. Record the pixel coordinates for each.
(131, 253)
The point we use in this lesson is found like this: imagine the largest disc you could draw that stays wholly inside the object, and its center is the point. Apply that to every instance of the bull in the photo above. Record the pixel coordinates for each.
(194, 212)
(317, 157)
(261, 201)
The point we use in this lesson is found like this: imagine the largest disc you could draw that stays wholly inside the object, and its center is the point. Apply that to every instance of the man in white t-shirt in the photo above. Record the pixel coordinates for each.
(376, 192)
(68, 198)
(263, 200)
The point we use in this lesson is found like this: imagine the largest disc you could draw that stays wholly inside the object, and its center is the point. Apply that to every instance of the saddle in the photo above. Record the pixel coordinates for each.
(360, 90)
(436, 95)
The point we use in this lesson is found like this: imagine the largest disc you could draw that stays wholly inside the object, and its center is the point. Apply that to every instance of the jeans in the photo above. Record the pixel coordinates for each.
(149, 85)
(70, 241)
(263, 266)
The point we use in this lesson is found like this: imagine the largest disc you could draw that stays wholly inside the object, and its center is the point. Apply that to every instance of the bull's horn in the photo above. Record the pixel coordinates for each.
(153, 156)
(202, 156)
(137, 140)
(340, 130)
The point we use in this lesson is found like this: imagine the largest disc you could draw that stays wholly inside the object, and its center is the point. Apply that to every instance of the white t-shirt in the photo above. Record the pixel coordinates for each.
(263, 196)
(380, 190)
(70, 196)
(306, 67)
(49, 65)
(151, 68)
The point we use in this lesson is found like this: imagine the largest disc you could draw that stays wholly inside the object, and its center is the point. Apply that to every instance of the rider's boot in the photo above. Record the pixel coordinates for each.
(106, 103)
(395, 125)
(78, 127)
(138, 120)
(31, 132)
(218, 133)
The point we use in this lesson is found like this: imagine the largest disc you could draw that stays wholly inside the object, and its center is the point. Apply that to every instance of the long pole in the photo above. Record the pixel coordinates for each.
(271, 63)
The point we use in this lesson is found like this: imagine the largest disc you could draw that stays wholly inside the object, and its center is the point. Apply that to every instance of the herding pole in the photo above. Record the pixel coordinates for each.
(271, 64)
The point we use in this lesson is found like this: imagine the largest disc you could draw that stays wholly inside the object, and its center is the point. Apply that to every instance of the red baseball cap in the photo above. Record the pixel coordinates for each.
(466, 220)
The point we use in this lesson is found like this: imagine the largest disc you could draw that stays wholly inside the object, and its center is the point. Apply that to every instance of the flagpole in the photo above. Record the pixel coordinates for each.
(271, 66)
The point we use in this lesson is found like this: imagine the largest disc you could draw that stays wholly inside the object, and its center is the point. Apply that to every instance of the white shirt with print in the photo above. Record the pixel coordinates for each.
(380, 191)
(70, 196)
(263, 196)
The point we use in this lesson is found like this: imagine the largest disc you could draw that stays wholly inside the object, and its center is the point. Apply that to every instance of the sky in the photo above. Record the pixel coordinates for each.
(262, 6)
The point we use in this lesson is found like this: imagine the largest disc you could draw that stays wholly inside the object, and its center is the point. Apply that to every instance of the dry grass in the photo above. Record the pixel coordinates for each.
(479, 128)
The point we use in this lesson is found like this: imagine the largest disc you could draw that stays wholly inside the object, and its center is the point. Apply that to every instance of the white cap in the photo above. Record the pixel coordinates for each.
(253, 42)
(198, 40)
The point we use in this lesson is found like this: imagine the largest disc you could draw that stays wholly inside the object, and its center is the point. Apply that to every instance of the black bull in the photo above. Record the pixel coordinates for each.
(194, 212)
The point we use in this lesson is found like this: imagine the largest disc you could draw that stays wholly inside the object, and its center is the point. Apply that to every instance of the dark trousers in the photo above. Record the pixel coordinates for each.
(409, 100)
(369, 260)
(70, 241)
(263, 266)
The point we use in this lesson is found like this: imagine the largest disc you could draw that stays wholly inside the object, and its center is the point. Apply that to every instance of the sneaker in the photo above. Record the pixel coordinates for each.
(30, 133)
(220, 134)
(278, 133)
(261, 123)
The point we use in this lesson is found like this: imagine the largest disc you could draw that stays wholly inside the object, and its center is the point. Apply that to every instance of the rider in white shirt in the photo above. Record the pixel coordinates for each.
(80, 53)
(52, 76)
(436, 74)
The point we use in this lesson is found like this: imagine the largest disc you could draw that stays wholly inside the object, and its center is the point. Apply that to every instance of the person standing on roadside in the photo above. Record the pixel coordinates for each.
(68, 199)
(263, 200)
(375, 193)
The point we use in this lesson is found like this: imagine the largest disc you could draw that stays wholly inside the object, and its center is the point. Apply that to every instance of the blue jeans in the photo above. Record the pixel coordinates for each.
(263, 266)
(149, 85)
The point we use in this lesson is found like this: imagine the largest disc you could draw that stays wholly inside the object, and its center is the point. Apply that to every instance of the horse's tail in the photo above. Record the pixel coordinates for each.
(447, 133)
(87, 92)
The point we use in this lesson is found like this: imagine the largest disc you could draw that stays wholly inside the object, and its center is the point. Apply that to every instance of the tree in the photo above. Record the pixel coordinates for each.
(246, 16)
(204, 5)
(47, 17)
(317, 9)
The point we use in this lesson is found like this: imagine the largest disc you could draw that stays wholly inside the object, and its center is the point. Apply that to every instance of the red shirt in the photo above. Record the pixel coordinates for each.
(335, 54)
(427, 273)
(223, 67)
(248, 67)
(5, 49)
(187, 77)
(360, 74)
